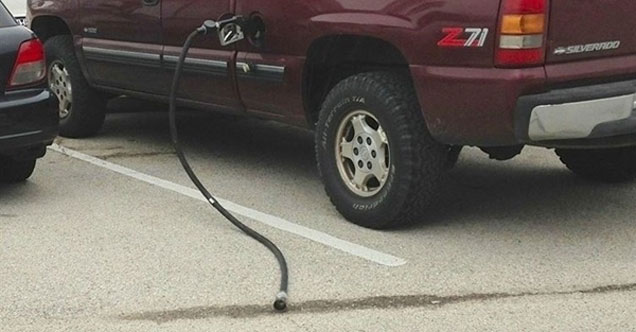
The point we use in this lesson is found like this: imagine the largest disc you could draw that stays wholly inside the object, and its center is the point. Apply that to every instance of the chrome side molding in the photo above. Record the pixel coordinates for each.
(119, 56)
(260, 71)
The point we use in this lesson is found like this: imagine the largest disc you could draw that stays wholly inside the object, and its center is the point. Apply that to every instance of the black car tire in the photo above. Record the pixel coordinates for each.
(86, 114)
(416, 164)
(607, 165)
(12, 171)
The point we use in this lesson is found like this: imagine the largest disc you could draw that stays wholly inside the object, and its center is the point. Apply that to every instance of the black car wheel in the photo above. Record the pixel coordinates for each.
(380, 166)
(608, 165)
(81, 109)
(12, 171)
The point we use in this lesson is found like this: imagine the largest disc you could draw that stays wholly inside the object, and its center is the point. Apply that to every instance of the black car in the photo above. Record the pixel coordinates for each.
(28, 111)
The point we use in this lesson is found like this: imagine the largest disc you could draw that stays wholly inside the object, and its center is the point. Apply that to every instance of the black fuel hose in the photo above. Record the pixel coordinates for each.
(280, 304)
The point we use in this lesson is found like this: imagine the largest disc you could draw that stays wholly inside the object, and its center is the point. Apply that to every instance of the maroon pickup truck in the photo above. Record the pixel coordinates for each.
(392, 88)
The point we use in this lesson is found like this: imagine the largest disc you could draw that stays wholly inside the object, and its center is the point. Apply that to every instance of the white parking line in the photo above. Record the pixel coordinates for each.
(267, 219)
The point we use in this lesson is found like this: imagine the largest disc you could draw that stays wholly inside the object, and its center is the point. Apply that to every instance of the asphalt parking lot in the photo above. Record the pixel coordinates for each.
(109, 235)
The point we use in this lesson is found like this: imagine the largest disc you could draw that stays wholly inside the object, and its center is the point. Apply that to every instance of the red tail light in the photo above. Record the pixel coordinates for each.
(30, 65)
(523, 27)
(524, 6)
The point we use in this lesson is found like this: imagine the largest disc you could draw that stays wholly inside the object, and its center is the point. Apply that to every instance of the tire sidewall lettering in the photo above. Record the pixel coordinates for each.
(340, 108)
(381, 197)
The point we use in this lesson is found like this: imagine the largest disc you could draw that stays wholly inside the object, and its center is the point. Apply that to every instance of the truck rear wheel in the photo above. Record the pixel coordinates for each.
(380, 166)
(12, 171)
(608, 165)
(81, 109)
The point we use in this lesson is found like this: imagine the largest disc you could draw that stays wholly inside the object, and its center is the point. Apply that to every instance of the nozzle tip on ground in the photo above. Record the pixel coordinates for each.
(281, 302)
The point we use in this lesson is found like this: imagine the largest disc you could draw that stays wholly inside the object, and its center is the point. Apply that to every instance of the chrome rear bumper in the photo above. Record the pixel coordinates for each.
(581, 119)
(589, 112)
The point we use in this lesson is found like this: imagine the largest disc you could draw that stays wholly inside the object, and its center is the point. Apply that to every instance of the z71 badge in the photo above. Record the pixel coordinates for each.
(463, 37)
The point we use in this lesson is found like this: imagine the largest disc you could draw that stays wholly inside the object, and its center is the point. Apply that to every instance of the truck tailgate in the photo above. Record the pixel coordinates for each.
(588, 29)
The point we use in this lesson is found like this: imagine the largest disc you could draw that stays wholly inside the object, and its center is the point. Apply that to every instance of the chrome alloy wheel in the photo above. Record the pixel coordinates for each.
(60, 85)
(362, 153)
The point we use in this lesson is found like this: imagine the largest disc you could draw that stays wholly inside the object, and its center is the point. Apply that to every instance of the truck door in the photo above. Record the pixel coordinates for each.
(207, 77)
(269, 76)
(121, 43)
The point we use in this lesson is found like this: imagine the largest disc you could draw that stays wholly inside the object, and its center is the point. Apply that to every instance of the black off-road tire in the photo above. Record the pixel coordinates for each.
(88, 108)
(417, 161)
(12, 171)
(607, 165)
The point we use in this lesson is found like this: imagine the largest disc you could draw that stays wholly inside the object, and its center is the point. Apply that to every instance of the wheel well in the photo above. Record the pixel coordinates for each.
(333, 58)
(46, 27)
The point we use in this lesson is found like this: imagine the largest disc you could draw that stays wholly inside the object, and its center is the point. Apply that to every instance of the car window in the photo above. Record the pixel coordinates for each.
(6, 19)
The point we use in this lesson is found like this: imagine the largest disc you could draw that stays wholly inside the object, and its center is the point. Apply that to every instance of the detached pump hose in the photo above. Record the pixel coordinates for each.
(280, 304)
